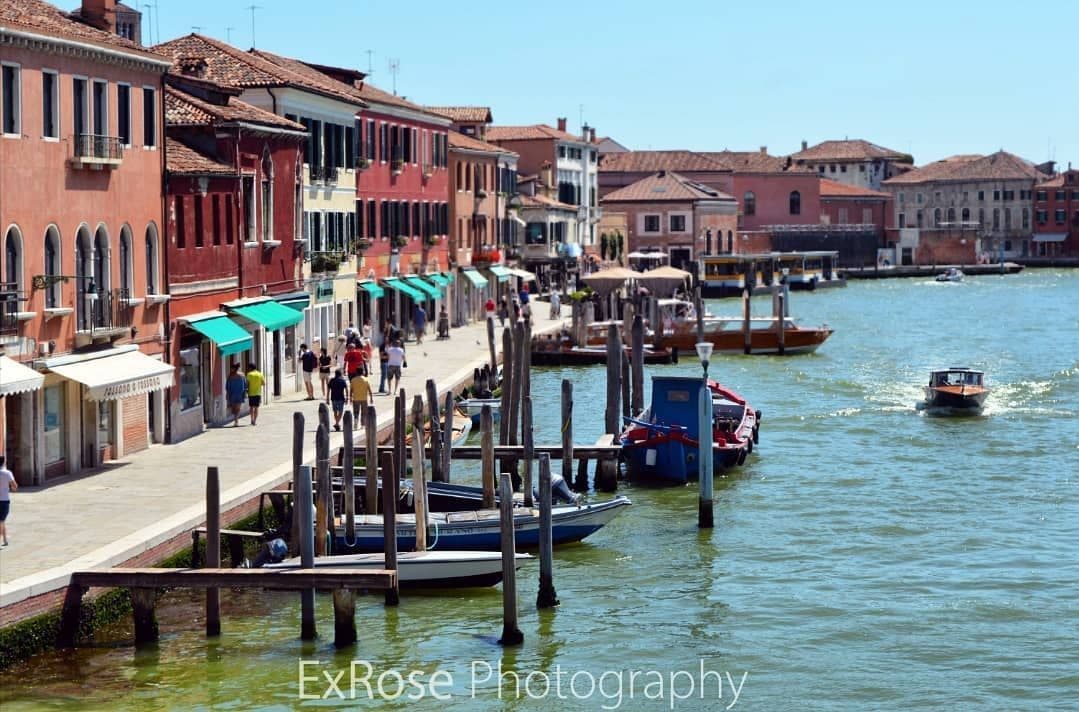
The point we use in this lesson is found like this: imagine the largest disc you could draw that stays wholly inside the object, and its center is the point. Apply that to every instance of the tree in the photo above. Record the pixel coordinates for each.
(604, 242)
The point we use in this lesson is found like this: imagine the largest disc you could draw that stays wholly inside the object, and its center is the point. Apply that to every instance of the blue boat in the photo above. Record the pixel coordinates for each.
(662, 442)
(479, 530)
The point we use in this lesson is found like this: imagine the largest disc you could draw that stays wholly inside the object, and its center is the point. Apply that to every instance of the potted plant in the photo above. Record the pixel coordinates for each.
(362, 244)
(362, 163)
(399, 241)
(428, 170)
(432, 240)
(324, 262)
(397, 166)
(481, 193)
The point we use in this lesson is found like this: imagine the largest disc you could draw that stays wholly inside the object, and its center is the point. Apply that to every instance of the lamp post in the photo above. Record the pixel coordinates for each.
(705, 455)
(704, 353)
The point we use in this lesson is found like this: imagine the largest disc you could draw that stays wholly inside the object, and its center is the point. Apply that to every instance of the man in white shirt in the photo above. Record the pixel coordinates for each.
(7, 486)
(395, 361)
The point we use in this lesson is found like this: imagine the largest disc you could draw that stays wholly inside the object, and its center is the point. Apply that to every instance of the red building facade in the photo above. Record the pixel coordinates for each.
(843, 204)
(1056, 216)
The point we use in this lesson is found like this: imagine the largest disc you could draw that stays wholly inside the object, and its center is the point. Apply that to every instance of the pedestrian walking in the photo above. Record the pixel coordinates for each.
(526, 313)
(7, 486)
(308, 362)
(365, 348)
(489, 308)
(353, 360)
(395, 361)
(556, 305)
(255, 382)
(503, 311)
(338, 396)
(362, 395)
(324, 363)
(419, 322)
(443, 323)
(235, 392)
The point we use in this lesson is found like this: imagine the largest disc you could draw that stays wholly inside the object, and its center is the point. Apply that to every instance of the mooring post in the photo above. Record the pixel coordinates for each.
(546, 596)
(370, 423)
(625, 381)
(213, 548)
(698, 305)
(614, 372)
(487, 457)
(322, 517)
(302, 498)
(705, 458)
(786, 309)
(529, 444)
(567, 433)
(447, 437)
(297, 464)
(511, 634)
(436, 431)
(637, 364)
(491, 348)
(348, 478)
(324, 415)
(521, 355)
(508, 374)
(781, 334)
(399, 420)
(143, 602)
(419, 483)
(70, 615)
(747, 324)
(389, 524)
(344, 617)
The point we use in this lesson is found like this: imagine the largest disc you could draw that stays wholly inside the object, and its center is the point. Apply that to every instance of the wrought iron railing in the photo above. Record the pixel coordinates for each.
(324, 174)
(96, 146)
(106, 310)
(9, 309)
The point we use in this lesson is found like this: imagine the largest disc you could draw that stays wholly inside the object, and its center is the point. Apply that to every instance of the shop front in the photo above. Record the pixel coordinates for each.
(399, 310)
(20, 388)
(272, 327)
(369, 295)
(473, 296)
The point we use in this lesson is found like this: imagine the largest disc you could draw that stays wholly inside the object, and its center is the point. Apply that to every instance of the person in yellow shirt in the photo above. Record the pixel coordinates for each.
(362, 395)
(255, 382)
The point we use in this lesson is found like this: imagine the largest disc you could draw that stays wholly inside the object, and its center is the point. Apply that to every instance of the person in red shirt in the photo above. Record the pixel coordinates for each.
(353, 360)
(490, 307)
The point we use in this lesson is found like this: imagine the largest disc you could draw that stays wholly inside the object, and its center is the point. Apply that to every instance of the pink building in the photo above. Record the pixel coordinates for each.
(83, 326)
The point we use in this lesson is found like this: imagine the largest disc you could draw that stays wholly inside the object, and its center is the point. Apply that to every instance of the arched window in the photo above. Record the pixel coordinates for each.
(267, 195)
(796, 203)
(1026, 218)
(951, 215)
(730, 241)
(12, 274)
(966, 214)
(84, 272)
(936, 217)
(52, 267)
(981, 216)
(102, 272)
(749, 203)
(127, 264)
(153, 271)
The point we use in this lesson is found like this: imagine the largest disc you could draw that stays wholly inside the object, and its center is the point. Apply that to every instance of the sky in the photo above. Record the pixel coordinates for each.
(931, 79)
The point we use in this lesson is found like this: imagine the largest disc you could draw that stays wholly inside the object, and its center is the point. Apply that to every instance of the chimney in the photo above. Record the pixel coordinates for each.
(804, 144)
(545, 177)
(764, 150)
(592, 135)
(584, 132)
(101, 14)
(561, 123)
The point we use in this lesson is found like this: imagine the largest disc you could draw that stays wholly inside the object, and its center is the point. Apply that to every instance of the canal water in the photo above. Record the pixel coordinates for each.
(865, 557)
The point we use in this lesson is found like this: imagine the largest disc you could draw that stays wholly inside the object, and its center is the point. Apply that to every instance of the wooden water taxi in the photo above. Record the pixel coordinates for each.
(955, 391)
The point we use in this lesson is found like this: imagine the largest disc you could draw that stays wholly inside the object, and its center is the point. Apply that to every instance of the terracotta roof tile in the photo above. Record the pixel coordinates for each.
(1060, 180)
(835, 189)
(663, 187)
(181, 159)
(535, 132)
(467, 114)
(996, 166)
(651, 161)
(41, 17)
(846, 150)
(754, 162)
(459, 140)
(183, 108)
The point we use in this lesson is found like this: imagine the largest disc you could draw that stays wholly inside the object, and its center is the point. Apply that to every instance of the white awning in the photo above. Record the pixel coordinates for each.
(523, 274)
(118, 375)
(520, 222)
(16, 378)
(1050, 237)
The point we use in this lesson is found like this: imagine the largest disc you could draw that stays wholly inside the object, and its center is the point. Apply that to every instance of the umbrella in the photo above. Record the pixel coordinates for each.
(647, 255)
(664, 279)
(607, 280)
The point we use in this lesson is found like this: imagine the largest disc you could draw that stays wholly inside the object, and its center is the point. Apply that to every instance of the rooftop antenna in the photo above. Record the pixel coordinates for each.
(370, 68)
(197, 28)
(252, 8)
(395, 67)
(157, 24)
(580, 114)
(149, 21)
(228, 34)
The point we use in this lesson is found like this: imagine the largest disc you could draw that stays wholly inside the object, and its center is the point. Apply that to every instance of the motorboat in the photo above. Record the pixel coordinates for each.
(461, 424)
(953, 274)
(423, 569)
(473, 407)
(662, 442)
(955, 391)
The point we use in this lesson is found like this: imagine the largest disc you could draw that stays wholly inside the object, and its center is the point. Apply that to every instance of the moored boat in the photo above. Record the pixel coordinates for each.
(955, 391)
(953, 274)
(423, 569)
(461, 424)
(473, 407)
(662, 443)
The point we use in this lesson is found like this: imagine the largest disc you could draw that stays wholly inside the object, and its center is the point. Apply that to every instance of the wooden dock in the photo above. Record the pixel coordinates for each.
(580, 452)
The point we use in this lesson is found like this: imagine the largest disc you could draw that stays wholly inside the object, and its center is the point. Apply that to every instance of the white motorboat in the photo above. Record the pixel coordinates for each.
(954, 274)
(423, 569)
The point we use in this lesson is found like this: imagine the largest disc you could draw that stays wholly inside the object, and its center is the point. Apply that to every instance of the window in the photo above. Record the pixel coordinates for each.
(842, 217)
(902, 198)
(415, 146)
(981, 196)
(149, 117)
(54, 423)
(52, 267)
(996, 218)
(215, 218)
(678, 223)
(123, 113)
(350, 146)
(267, 195)
(190, 379)
(861, 168)
(843, 168)
(981, 216)
(372, 218)
(1009, 195)
(966, 214)
(749, 203)
(12, 99)
(247, 188)
(1060, 216)
(920, 219)
(181, 235)
(919, 198)
(867, 216)
(81, 109)
(937, 196)
(102, 268)
(1026, 218)
(996, 196)
(902, 220)
(127, 266)
(230, 220)
(153, 273)
(561, 151)
(1061, 195)
(100, 96)
(370, 139)
(651, 223)
(822, 169)
(951, 215)
(936, 217)
(13, 262)
(199, 228)
(383, 141)
(1041, 216)
(50, 104)
(795, 203)
(1042, 195)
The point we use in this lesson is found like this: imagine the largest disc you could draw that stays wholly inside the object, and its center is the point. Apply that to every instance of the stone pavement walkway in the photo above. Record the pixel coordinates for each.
(108, 516)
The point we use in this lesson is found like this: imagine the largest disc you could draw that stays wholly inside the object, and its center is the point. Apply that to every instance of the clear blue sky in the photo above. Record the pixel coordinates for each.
(930, 78)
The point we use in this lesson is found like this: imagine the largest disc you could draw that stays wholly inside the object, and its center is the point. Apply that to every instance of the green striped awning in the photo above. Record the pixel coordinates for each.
(230, 337)
(501, 272)
(373, 289)
(425, 287)
(271, 315)
(399, 285)
(448, 276)
(297, 300)
(438, 279)
(477, 279)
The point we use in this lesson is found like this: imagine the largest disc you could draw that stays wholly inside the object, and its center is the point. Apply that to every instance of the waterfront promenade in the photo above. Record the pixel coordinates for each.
(140, 502)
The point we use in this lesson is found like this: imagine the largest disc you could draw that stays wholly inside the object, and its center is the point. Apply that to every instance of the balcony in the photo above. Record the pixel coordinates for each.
(104, 316)
(9, 321)
(326, 175)
(97, 152)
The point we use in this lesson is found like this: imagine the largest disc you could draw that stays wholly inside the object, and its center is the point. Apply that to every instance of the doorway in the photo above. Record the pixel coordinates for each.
(681, 257)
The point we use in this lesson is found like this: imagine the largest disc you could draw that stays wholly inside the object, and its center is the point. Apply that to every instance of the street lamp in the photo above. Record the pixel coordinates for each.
(704, 353)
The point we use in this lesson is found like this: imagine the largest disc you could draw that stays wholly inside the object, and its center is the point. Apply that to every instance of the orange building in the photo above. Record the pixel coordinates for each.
(81, 163)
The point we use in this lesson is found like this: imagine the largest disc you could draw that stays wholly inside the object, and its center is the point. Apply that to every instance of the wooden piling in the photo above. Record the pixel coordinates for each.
(522, 352)
(304, 505)
(567, 436)
(624, 380)
(324, 415)
(705, 457)
(546, 596)
(419, 482)
(399, 419)
(389, 525)
(528, 442)
(491, 348)
(747, 324)
(297, 464)
(344, 617)
(323, 515)
(637, 366)
(143, 602)
(698, 306)
(511, 634)
(69, 616)
(348, 478)
(436, 431)
(614, 373)
(370, 423)
(447, 436)
(487, 445)
(213, 548)
(508, 373)
(781, 333)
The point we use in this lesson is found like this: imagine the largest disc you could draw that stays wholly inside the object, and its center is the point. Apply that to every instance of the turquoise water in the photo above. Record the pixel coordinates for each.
(866, 557)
